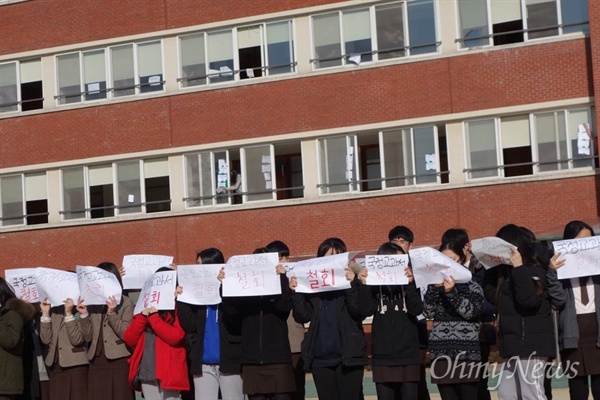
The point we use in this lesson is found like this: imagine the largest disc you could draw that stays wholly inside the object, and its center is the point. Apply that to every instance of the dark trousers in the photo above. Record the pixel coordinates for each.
(397, 390)
(579, 388)
(275, 396)
(299, 376)
(338, 383)
(459, 391)
(482, 386)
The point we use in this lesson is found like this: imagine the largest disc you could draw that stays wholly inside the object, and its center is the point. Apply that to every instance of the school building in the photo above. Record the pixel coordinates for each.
(121, 121)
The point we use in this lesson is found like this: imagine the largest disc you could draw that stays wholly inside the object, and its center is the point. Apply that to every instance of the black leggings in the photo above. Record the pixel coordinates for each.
(397, 390)
(338, 383)
(580, 389)
(458, 391)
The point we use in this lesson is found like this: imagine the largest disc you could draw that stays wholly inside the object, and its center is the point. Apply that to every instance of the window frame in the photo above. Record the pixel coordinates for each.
(19, 89)
(24, 216)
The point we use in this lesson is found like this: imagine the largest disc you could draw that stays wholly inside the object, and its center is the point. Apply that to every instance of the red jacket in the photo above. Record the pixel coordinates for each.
(171, 366)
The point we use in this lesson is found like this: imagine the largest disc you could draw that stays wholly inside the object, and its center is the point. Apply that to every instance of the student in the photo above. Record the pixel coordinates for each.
(295, 330)
(454, 338)
(334, 348)
(14, 314)
(107, 353)
(265, 355)
(213, 343)
(457, 240)
(526, 331)
(579, 324)
(395, 338)
(157, 366)
(404, 237)
(66, 356)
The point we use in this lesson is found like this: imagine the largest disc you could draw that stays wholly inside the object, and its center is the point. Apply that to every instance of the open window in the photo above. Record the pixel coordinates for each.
(36, 198)
(516, 145)
(157, 188)
(101, 192)
(250, 51)
(288, 170)
(258, 173)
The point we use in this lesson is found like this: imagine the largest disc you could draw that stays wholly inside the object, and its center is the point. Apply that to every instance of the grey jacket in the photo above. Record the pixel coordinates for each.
(569, 331)
(66, 338)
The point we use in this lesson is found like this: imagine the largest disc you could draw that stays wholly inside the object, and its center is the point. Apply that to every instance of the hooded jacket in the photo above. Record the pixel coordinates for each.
(13, 316)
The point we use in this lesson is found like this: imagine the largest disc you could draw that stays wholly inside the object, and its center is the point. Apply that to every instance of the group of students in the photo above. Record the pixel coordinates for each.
(261, 346)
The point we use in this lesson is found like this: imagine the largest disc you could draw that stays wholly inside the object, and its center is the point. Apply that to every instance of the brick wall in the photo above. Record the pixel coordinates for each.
(41, 24)
(471, 82)
(362, 224)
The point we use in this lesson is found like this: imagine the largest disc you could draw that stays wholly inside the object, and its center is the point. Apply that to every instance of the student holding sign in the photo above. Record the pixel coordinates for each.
(334, 348)
(104, 331)
(520, 292)
(395, 338)
(265, 348)
(157, 366)
(454, 337)
(580, 322)
(14, 315)
(213, 343)
(61, 332)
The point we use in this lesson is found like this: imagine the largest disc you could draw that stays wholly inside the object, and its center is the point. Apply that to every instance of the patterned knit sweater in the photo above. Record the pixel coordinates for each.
(455, 317)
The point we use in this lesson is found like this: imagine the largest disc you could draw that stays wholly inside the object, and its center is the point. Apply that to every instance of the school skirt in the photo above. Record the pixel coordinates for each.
(108, 379)
(69, 383)
(268, 378)
(585, 359)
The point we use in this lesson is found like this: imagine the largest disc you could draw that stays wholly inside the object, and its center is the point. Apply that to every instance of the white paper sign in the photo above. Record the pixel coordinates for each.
(252, 275)
(22, 282)
(96, 285)
(321, 274)
(431, 162)
(139, 267)
(355, 58)
(432, 267)
(386, 269)
(492, 251)
(200, 284)
(582, 257)
(583, 141)
(56, 285)
(158, 291)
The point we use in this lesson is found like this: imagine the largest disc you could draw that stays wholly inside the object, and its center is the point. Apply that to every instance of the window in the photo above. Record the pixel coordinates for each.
(21, 86)
(258, 50)
(24, 199)
(386, 159)
(268, 172)
(528, 144)
(134, 68)
(514, 21)
(401, 28)
(106, 190)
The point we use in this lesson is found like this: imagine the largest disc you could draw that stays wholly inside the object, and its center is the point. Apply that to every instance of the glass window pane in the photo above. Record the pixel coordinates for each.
(421, 27)
(258, 159)
(473, 23)
(150, 67)
(516, 145)
(326, 36)
(337, 166)
(250, 51)
(8, 87)
(220, 56)
(129, 187)
(397, 150)
(390, 31)
(481, 141)
(36, 198)
(69, 80)
(426, 159)
(31, 85)
(100, 181)
(193, 65)
(94, 75)
(222, 178)
(357, 34)
(123, 71)
(11, 190)
(574, 12)
(157, 187)
(280, 47)
(577, 118)
(541, 14)
(551, 141)
(73, 193)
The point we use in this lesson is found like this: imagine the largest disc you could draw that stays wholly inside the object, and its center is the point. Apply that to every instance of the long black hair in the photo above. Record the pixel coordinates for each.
(6, 292)
(336, 244)
(573, 228)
